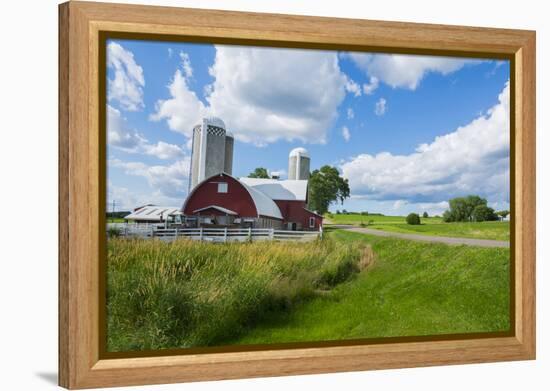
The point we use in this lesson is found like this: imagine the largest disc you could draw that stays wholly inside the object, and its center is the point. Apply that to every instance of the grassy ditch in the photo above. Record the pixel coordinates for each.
(187, 294)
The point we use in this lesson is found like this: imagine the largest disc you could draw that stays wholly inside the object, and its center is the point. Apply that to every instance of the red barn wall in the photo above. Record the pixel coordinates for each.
(236, 199)
(295, 212)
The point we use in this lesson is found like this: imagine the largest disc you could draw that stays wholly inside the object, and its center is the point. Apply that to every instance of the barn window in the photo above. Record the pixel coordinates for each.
(312, 222)
(222, 187)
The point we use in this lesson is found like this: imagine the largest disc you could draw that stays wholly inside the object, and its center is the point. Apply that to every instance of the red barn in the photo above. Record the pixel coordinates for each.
(225, 201)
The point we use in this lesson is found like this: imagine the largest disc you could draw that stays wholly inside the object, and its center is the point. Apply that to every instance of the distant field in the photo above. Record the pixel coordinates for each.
(495, 230)
(358, 219)
(115, 220)
(412, 288)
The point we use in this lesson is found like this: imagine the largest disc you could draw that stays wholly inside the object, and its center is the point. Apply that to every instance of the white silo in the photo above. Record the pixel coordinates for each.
(212, 150)
(229, 142)
(298, 164)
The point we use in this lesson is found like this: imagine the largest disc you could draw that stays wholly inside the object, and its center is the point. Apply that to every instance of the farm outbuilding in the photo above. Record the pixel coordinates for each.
(225, 201)
(153, 214)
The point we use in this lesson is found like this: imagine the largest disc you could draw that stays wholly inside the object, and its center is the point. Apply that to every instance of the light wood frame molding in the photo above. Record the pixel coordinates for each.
(80, 167)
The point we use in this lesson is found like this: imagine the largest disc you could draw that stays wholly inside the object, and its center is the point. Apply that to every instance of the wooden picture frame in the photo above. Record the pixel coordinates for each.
(81, 204)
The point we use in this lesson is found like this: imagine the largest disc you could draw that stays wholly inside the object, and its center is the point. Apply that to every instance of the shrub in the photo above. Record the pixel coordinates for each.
(413, 219)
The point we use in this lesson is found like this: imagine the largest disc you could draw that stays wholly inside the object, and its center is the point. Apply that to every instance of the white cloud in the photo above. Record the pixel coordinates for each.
(118, 133)
(120, 136)
(186, 65)
(403, 70)
(183, 110)
(371, 86)
(350, 113)
(168, 180)
(170, 52)
(433, 208)
(353, 88)
(262, 94)
(391, 207)
(127, 200)
(123, 198)
(345, 133)
(163, 150)
(380, 107)
(126, 86)
(472, 159)
(399, 204)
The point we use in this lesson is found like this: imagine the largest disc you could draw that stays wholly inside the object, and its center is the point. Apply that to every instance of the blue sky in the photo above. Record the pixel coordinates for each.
(409, 132)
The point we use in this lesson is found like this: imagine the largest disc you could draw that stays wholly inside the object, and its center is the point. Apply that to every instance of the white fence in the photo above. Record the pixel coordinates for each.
(214, 234)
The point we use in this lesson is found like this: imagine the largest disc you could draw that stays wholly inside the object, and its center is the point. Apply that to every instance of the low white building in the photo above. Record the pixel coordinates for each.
(152, 214)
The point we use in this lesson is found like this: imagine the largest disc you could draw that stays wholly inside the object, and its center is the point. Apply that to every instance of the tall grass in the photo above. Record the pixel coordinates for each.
(184, 293)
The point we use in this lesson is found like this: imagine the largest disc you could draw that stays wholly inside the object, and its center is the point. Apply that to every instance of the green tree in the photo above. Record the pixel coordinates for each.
(325, 187)
(425, 215)
(413, 219)
(462, 208)
(259, 172)
(484, 213)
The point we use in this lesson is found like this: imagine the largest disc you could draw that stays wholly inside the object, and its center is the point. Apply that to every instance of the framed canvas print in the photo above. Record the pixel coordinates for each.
(247, 195)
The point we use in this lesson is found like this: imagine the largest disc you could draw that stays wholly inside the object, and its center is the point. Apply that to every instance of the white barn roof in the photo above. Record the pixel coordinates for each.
(292, 190)
(264, 205)
(152, 213)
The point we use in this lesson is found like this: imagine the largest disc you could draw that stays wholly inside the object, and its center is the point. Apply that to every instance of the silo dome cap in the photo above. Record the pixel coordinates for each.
(299, 152)
(215, 121)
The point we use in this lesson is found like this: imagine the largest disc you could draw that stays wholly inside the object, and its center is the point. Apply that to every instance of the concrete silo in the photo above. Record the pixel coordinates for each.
(212, 150)
(298, 164)
(229, 141)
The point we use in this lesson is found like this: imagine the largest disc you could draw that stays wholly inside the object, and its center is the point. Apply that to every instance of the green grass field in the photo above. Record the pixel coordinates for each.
(350, 285)
(411, 289)
(495, 230)
(356, 219)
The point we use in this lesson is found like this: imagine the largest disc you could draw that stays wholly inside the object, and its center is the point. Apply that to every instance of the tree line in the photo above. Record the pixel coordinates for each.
(471, 208)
